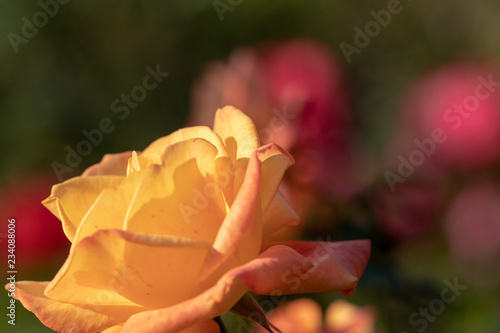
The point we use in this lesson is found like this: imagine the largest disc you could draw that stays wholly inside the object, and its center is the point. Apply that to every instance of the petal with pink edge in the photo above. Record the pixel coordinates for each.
(241, 229)
(301, 267)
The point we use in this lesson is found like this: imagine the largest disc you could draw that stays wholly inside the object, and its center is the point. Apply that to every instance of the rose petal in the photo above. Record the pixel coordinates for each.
(237, 131)
(270, 272)
(109, 209)
(181, 197)
(116, 267)
(70, 200)
(300, 267)
(212, 303)
(279, 214)
(208, 326)
(241, 228)
(114, 329)
(159, 146)
(110, 165)
(275, 160)
(66, 317)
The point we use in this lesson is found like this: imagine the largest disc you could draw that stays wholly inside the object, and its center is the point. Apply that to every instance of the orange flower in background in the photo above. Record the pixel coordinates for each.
(167, 239)
(305, 316)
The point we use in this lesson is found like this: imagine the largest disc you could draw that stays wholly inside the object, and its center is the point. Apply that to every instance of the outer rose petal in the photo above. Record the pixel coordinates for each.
(237, 131)
(300, 316)
(122, 268)
(111, 164)
(241, 228)
(69, 201)
(69, 318)
(301, 267)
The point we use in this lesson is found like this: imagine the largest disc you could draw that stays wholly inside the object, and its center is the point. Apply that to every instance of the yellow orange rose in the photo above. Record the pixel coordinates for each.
(166, 240)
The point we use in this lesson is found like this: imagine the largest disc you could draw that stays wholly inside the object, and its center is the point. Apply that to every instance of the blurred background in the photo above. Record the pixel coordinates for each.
(390, 108)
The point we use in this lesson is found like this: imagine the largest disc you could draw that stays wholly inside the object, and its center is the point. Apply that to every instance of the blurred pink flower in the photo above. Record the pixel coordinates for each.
(464, 101)
(294, 93)
(406, 213)
(305, 316)
(472, 229)
(39, 238)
